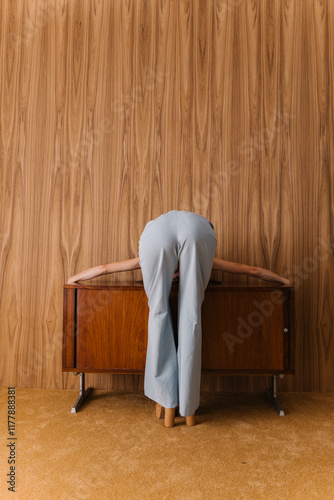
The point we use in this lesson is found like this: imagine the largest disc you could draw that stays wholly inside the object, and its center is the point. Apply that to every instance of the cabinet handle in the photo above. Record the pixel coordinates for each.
(285, 330)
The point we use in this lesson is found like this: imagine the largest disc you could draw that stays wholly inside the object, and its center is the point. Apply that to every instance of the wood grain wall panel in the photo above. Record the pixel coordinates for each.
(283, 123)
(115, 111)
(184, 82)
(322, 190)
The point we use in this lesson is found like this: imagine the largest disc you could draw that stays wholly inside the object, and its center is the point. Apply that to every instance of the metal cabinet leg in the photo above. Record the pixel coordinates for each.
(83, 393)
(272, 396)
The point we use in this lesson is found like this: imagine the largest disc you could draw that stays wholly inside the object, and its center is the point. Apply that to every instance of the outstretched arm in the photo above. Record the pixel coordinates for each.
(113, 267)
(257, 272)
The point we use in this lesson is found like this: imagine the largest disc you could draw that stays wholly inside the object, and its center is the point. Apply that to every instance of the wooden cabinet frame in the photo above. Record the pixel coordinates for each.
(247, 329)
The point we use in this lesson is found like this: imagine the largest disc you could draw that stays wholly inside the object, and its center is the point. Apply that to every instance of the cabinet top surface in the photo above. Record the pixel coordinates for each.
(213, 285)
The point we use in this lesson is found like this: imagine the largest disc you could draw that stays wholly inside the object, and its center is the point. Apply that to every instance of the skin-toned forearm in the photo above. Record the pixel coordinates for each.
(113, 267)
(257, 272)
(232, 267)
(265, 274)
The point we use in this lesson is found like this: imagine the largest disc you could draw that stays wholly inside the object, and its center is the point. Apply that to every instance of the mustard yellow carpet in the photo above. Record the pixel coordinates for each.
(115, 448)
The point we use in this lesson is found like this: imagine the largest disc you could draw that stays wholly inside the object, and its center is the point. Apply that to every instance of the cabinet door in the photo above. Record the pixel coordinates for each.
(243, 331)
(111, 330)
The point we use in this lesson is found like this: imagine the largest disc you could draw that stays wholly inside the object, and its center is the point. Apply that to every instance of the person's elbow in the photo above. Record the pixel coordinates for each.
(103, 269)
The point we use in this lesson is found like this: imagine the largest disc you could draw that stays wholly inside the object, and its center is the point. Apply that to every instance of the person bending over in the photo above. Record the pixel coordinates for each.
(181, 244)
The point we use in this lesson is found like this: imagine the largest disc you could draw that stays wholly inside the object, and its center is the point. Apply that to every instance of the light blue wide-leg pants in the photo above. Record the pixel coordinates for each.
(187, 241)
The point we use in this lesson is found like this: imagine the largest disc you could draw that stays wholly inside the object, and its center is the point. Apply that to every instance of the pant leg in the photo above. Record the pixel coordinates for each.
(197, 246)
(158, 261)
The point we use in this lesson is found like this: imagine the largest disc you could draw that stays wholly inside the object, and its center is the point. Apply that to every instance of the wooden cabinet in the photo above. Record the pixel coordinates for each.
(247, 329)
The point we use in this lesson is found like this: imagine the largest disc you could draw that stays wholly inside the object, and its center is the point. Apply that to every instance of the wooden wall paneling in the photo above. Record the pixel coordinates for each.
(229, 166)
(304, 160)
(75, 205)
(97, 143)
(143, 139)
(247, 142)
(11, 191)
(127, 102)
(327, 223)
(307, 168)
(213, 194)
(320, 17)
(113, 112)
(180, 190)
(213, 191)
(268, 140)
(249, 149)
(170, 113)
(201, 110)
(284, 123)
